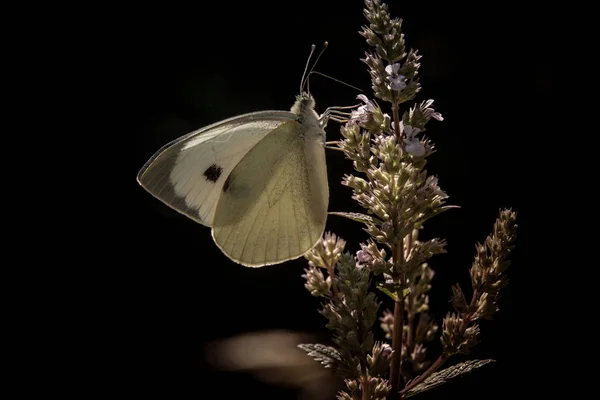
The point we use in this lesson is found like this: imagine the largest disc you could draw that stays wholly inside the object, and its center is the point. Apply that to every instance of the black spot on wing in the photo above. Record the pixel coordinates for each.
(213, 173)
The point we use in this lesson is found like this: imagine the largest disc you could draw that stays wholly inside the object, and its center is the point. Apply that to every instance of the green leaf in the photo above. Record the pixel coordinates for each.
(326, 355)
(439, 378)
(394, 291)
(358, 217)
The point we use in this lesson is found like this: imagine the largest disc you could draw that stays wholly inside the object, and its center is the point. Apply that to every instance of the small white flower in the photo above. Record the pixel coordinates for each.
(364, 255)
(397, 81)
(432, 184)
(435, 115)
(386, 350)
(430, 112)
(431, 188)
(410, 131)
(363, 114)
(414, 147)
(363, 98)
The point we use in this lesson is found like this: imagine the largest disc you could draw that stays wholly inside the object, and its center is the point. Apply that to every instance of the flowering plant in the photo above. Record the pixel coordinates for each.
(389, 155)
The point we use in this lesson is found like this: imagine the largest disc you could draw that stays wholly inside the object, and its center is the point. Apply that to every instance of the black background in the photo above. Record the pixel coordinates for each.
(184, 67)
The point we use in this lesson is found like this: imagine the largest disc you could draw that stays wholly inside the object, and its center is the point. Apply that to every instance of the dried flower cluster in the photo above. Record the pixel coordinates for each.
(389, 155)
(459, 333)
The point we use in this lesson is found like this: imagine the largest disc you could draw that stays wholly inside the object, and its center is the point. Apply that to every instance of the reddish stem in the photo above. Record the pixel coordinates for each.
(366, 395)
(397, 345)
(432, 368)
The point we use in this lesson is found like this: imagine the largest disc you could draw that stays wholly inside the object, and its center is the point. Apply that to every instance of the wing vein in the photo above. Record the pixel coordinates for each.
(256, 214)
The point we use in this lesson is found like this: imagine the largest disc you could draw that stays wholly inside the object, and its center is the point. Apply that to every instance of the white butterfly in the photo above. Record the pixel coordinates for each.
(259, 180)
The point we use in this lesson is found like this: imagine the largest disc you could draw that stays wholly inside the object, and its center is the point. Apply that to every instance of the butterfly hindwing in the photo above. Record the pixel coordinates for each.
(273, 205)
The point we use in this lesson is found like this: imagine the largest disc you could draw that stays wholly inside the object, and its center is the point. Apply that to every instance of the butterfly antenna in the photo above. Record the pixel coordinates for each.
(334, 79)
(313, 66)
(312, 50)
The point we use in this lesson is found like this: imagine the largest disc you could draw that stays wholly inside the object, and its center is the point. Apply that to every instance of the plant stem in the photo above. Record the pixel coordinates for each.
(432, 368)
(398, 256)
(365, 388)
(397, 346)
(331, 272)
(469, 317)
(396, 117)
(409, 243)
(411, 298)
(411, 323)
(398, 327)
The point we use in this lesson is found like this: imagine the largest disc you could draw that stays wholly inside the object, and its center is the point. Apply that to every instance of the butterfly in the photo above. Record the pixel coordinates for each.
(259, 180)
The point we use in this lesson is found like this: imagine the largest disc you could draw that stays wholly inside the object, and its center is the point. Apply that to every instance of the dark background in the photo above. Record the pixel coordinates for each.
(185, 67)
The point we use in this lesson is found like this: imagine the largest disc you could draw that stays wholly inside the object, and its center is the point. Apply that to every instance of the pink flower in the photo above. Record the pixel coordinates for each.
(397, 81)
(413, 146)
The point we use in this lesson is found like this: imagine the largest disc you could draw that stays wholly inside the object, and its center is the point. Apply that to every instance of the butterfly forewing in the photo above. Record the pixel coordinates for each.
(188, 174)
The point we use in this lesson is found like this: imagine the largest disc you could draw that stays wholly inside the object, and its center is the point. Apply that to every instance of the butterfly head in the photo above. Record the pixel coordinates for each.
(304, 108)
(304, 102)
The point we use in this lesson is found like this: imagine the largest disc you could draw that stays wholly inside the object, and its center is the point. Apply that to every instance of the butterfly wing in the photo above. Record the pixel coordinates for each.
(188, 173)
(273, 205)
